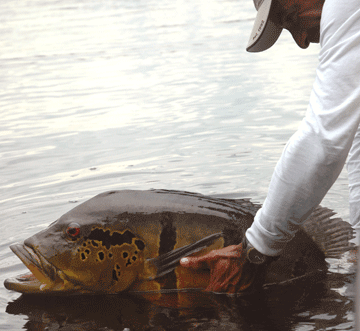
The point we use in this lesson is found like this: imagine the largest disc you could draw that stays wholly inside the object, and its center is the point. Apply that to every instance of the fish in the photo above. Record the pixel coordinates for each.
(132, 241)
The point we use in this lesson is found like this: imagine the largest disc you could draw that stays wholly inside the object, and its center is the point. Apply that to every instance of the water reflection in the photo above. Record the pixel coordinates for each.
(306, 305)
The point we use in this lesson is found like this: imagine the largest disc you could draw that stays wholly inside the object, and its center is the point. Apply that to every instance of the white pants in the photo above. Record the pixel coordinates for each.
(353, 167)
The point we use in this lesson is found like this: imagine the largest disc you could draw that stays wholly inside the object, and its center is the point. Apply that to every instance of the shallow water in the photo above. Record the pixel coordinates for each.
(98, 95)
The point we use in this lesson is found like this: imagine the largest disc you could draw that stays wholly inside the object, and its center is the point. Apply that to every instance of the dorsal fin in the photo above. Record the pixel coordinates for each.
(332, 235)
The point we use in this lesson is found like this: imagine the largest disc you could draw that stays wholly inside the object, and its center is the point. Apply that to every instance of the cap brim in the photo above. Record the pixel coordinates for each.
(266, 29)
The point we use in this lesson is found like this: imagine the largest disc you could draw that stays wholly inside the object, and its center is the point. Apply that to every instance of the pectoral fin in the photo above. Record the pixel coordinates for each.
(166, 263)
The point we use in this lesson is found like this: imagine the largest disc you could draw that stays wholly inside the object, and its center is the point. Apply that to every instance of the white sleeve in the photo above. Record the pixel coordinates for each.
(315, 155)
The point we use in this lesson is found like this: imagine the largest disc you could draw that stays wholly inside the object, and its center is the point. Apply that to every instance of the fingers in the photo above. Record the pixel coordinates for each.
(193, 262)
(229, 270)
(226, 275)
(207, 260)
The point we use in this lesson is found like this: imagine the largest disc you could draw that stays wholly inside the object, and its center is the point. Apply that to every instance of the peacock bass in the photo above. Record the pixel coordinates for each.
(133, 241)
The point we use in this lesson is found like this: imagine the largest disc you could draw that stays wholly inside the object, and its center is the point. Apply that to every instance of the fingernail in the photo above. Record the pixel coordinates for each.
(184, 260)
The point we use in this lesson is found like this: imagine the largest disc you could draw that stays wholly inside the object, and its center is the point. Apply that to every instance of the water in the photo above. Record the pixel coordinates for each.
(98, 95)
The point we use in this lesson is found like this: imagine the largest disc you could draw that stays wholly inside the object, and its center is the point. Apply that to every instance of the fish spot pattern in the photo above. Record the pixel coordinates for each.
(116, 273)
(114, 276)
(115, 239)
(124, 248)
(140, 244)
(84, 252)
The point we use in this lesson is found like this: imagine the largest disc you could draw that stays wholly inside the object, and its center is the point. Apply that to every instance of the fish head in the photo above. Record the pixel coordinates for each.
(96, 255)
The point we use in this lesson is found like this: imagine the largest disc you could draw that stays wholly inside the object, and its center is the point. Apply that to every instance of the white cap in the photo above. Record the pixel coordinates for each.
(267, 27)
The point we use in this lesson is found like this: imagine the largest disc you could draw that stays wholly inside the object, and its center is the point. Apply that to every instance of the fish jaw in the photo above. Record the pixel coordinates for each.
(44, 277)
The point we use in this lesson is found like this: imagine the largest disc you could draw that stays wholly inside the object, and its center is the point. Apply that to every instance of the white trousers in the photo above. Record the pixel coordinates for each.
(353, 168)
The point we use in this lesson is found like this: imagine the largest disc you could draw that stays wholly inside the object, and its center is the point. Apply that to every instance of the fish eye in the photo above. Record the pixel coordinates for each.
(73, 230)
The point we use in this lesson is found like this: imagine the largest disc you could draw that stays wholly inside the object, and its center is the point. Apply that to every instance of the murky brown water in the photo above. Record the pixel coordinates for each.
(98, 95)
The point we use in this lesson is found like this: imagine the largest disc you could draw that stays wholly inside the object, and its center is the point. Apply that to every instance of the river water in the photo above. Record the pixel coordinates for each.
(119, 94)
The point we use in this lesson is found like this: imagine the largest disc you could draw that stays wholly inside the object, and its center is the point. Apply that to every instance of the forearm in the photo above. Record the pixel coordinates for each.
(303, 175)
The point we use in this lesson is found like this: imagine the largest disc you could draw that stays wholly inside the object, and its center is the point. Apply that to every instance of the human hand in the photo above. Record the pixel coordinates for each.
(230, 271)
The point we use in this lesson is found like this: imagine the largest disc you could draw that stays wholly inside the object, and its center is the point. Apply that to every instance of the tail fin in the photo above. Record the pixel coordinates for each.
(332, 235)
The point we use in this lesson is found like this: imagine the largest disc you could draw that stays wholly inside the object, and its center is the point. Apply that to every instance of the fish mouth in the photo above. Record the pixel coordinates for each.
(44, 277)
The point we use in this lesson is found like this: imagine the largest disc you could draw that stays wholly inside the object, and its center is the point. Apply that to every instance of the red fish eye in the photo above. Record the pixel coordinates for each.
(73, 230)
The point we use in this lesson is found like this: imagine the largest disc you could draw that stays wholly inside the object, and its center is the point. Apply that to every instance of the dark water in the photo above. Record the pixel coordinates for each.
(98, 95)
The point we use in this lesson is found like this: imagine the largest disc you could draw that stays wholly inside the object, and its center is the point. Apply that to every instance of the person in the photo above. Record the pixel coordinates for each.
(315, 155)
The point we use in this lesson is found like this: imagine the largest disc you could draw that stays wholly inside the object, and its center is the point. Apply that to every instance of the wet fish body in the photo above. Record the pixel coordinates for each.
(133, 240)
